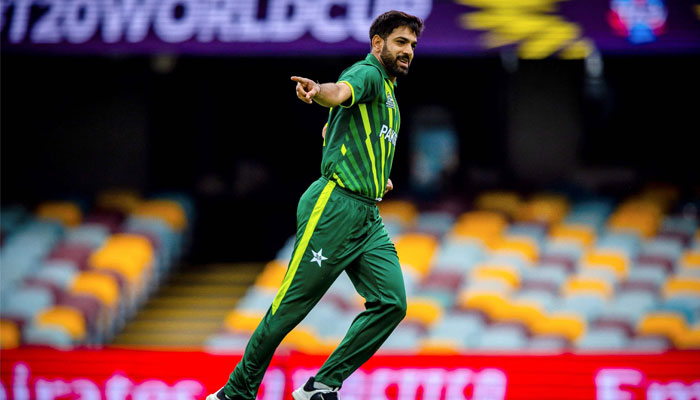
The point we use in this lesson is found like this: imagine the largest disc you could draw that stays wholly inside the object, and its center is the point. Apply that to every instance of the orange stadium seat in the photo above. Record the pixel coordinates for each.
(488, 302)
(65, 212)
(669, 324)
(522, 246)
(484, 225)
(122, 200)
(243, 321)
(504, 202)
(580, 285)
(637, 215)
(67, 318)
(571, 326)
(439, 347)
(101, 286)
(488, 271)
(416, 250)
(304, 339)
(526, 312)
(691, 259)
(403, 211)
(607, 259)
(681, 285)
(690, 339)
(548, 208)
(582, 234)
(272, 276)
(169, 211)
(424, 311)
(9, 335)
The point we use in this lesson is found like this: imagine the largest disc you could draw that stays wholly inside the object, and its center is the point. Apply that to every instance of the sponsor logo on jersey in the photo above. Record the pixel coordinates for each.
(390, 101)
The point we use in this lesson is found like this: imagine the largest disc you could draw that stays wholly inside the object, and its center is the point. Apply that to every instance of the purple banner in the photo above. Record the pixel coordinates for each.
(532, 28)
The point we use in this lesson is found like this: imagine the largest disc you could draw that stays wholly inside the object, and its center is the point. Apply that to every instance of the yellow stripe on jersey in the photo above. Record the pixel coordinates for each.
(303, 243)
(352, 90)
(368, 143)
(337, 179)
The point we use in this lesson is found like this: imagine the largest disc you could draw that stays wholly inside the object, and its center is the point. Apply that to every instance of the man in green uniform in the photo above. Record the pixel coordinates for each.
(338, 224)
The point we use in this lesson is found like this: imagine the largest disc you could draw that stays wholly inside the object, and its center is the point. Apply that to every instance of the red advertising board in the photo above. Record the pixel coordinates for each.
(116, 374)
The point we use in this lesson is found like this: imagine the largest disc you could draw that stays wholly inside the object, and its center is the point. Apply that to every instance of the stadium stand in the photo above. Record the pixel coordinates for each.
(545, 272)
(73, 276)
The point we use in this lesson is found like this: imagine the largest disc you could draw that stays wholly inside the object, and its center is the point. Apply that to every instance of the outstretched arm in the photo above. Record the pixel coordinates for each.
(326, 94)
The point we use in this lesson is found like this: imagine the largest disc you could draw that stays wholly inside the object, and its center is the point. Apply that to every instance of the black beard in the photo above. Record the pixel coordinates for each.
(392, 64)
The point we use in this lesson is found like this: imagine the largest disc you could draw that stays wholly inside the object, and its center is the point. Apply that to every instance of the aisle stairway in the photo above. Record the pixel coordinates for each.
(189, 307)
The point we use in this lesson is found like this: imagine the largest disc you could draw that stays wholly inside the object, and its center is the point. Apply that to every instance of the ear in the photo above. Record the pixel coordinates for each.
(377, 43)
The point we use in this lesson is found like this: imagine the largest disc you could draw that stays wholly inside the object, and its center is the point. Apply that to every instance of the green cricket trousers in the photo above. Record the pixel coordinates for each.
(337, 230)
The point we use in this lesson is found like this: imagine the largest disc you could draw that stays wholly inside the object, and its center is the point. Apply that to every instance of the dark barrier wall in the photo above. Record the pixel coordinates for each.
(231, 131)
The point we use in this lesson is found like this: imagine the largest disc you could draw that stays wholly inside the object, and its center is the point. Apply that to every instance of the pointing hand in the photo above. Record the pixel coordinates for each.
(306, 89)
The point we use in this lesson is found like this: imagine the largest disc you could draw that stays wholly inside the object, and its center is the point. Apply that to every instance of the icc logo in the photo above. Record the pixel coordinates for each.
(641, 21)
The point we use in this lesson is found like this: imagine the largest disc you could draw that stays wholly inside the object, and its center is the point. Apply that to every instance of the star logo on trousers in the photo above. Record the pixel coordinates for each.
(318, 257)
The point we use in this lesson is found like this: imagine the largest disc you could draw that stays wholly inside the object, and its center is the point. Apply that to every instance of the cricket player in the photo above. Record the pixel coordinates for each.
(338, 223)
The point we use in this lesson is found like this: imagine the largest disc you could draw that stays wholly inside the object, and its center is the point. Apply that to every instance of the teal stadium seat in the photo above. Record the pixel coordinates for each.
(456, 254)
(25, 303)
(603, 339)
(506, 338)
(47, 336)
(463, 328)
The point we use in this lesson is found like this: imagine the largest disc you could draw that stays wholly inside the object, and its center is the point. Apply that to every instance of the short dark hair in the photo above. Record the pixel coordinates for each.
(384, 24)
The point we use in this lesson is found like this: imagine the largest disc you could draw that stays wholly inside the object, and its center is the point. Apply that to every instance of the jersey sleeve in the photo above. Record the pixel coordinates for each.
(365, 83)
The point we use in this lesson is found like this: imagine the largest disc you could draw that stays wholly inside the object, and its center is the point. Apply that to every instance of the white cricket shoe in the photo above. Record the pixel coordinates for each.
(313, 390)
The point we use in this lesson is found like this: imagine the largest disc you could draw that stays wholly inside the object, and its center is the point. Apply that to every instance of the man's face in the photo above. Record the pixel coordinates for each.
(397, 51)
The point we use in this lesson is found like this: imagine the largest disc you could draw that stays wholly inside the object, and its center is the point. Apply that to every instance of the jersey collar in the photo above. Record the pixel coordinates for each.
(373, 60)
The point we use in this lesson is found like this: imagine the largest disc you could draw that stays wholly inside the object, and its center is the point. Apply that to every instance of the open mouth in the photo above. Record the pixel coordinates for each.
(402, 61)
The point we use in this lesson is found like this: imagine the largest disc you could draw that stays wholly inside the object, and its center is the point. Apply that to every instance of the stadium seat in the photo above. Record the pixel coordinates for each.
(525, 248)
(547, 273)
(9, 335)
(123, 200)
(76, 253)
(67, 213)
(67, 318)
(615, 261)
(668, 324)
(690, 259)
(404, 339)
(485, 226)
(504, 202)
(651, 273)
(226, 343)
(548, 343)
(167, 210)
(603, 339)
(690, 340)
(272, 276)
(504, 273)
(583, 235)
(26, 302)
(537, 232)
(502, 338)
(571, 326)
(649, 343)
(245, 322)
(60, 273)
(626, 244)
(48, 335)
(462, 328)
(663, 247)
(92, 235)
(577, 285)
(110, 220)
(436, 223)
(544, 299)
(256, 299)
(441, 347)
(586, 304)
(416, 251)
(685, 304)
(458, 254)
(546, 208)
(527, 313)
(424, 311)
(680, 285)
(404, 212)
(305, 340)
(103, 287)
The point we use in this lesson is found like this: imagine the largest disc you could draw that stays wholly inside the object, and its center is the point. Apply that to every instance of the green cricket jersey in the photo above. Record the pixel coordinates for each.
(361, 134)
